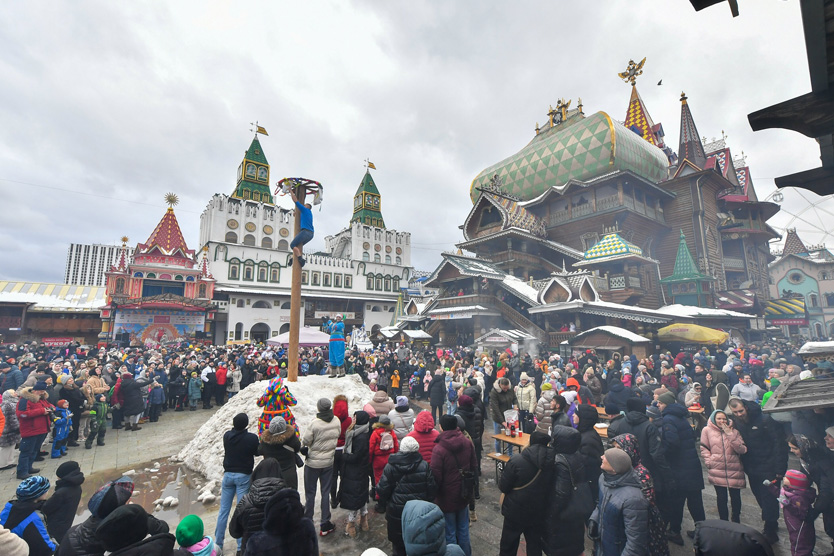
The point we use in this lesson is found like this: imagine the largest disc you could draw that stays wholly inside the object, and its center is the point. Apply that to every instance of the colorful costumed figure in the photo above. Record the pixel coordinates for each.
(276, 401)
(61, 421)
(337, 346)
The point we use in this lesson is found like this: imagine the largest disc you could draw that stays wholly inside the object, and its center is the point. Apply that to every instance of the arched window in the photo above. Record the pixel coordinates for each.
(388, 284)
(231, 237)
(366, 256)
(234, 269)
(399, 260)
(283, 245)
(120, 285)
(829, 299)
(238, 331)
(370, 284)
(219, 252)
(151, 275)
(256, 196)
(376, 258)
(316, 278)
(249, 239)
(263, 272)
(813, 300)
(241, 303)
(376, 309)
(189, 278)
(395, 282)
(260, 305)
(201, 291)
(823, 275)
(266, 242)
(274, 274)
(178, 277)
(387, 259)
(378, 284)
(248, 271)
(165, 277)
(138, 275)
(286, 305)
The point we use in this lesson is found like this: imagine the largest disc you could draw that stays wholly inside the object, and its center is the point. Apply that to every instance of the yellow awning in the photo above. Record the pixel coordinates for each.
(691, 333)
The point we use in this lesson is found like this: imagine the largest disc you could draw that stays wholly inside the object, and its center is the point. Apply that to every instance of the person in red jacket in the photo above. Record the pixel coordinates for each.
(425, 434)
(452, 453)
(383, 443)
(34, 413)
(340, 410)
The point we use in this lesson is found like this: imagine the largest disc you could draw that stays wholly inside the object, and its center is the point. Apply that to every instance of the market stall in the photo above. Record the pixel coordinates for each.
(609, 339)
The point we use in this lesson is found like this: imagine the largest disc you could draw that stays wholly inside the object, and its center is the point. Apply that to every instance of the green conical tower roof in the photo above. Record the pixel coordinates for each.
(685, 268)
(253, 175)
(367, 203)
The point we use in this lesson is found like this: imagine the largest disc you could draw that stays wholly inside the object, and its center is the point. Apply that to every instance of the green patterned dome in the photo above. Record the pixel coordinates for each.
(581, 148)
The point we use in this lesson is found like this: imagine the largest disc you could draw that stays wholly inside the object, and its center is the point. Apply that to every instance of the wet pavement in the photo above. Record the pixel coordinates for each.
(146, 453)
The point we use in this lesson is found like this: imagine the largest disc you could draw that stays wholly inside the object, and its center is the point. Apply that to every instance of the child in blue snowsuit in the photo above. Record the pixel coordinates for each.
(195, 387)
(61, 421)
(157, 400)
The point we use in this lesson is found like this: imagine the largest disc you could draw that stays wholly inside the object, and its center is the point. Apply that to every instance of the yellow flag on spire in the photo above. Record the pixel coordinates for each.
(371, 165)
(261, 130)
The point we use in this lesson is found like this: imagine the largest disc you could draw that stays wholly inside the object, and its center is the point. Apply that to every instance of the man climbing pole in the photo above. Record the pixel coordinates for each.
(305, 234)
(337, 346)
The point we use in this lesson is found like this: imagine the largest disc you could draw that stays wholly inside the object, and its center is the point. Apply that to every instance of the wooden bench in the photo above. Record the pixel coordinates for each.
(500, 460)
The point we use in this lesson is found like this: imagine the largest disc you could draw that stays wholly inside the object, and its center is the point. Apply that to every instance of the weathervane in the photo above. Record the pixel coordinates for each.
(632, 72)
(125, 239)
(171, 199)
(257, 129)
(369, 165)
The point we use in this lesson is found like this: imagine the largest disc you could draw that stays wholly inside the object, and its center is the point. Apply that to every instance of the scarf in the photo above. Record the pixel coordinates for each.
(325, 416)
(360, 429)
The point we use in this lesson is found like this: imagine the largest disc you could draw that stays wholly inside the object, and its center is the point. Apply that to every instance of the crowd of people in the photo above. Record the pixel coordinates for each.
(421, 469)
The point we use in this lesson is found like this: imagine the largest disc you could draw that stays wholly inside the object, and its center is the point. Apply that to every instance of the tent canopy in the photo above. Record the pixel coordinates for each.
(307, 337)
(691, 333)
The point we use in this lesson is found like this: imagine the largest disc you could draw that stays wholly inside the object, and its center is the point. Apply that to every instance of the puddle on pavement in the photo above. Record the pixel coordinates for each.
(150, 484)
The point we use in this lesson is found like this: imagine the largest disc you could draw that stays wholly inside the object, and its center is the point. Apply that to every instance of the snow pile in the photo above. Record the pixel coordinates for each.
(204, 453)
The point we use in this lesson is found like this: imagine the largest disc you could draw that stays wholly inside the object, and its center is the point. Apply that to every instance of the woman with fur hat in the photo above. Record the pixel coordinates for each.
(402, 417)
(23, 516)
(382, 444)
(280, 442)
(11, 430)
(353, 491)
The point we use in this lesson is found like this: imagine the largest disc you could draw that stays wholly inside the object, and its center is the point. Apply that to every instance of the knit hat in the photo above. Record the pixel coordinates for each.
(652, 412)
(830, 431)
(635, 404)
(797, 479)
(402, 401)
(240, 421)
(124, 526)
(524, 377)
(190, 530)
(41, 385)
(277, 426)
(32, 488)
(464, 401)
(447, 422)
(569, 396)
(323, 404)
(667, 398)
(63, 404)
(67, 468)
(409, 444)
(619, 461)
(460, 421)
(547, 386)
(384, 420)
(194, 374)
(539, 437)
(611, 408)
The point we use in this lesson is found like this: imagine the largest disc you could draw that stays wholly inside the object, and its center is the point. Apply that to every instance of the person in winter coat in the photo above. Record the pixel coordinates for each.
(381, 403)
(424, 530)
(82, 539)
(402, 417)
(156, 399)
(383, 443)
(525, 393)
(543, 409)
(134, 405)
(590, 447)
(568, 539)
(281, 443)
(679, 448)
(722, 448)
(195, 391)
(425, 434)
(405, 477)
(437, 394)
(23, 517)
(239, 449)
(594, 384)
(340, 410)
(796, 496)
(235, 376)
(61, 424)
(526, 476)
(619, 523)
(11, 430)
(248, 517)
(98, 422)
(658, 545)
(818, 464)
(286, 532)
(474, 427)
(320, 442)
(765, 460)
(583, 394)
(618, 394)
(501, 399)
(353, 490)
(61, 507)
(124, 533)
(34, 414)
(452, 453)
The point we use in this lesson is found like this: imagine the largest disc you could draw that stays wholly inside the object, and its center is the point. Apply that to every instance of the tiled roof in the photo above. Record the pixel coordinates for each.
(638, 119)
(518, 217)
(611, 245)
(690, 147)
(793, 245)
(167, 237)
(685, 267)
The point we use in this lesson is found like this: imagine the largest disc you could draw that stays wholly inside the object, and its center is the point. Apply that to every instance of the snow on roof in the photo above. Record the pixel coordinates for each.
(521, 288)
(810, 348)
(678, 310)
(53, 297)
(460, 309)
(417, 334)
(615, 331)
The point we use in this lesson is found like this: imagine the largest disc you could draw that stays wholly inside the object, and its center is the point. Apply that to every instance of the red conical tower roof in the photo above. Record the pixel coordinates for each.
(166, 239)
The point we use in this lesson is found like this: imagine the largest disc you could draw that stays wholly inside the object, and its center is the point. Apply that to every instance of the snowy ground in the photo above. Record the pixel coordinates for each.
(204, 453)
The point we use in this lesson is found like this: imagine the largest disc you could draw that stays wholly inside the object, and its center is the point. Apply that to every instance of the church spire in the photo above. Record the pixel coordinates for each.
(690, 147)
(637, 116)
(253, 175)
(367, 203)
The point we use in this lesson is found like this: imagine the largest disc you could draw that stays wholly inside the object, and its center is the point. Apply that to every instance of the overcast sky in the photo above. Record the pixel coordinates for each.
(107, 106)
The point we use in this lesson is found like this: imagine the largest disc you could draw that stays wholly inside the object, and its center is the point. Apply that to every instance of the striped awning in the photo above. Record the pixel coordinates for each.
(786, 311)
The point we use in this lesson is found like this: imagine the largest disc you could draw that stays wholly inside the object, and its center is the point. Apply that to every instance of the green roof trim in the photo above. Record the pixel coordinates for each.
(685, 268)
(611, 245)
(255, 153)
(579, 149)
(367, 203)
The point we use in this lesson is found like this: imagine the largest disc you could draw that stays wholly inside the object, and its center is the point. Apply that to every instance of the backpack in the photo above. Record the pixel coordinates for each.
(452, 393)
(386, 441)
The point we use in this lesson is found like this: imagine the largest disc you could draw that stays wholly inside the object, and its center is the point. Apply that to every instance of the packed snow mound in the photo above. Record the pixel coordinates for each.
(204, 453)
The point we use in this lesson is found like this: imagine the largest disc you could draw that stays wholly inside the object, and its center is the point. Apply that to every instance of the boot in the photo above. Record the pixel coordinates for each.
(137, 427)
(769, 532)
(363, 523)
(473, 517)
(350, 529)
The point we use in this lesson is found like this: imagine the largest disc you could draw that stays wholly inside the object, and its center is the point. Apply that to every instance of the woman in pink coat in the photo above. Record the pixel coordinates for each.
(721, 448)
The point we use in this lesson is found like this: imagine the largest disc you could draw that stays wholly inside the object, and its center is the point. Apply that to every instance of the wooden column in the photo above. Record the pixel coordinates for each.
(295, 298)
